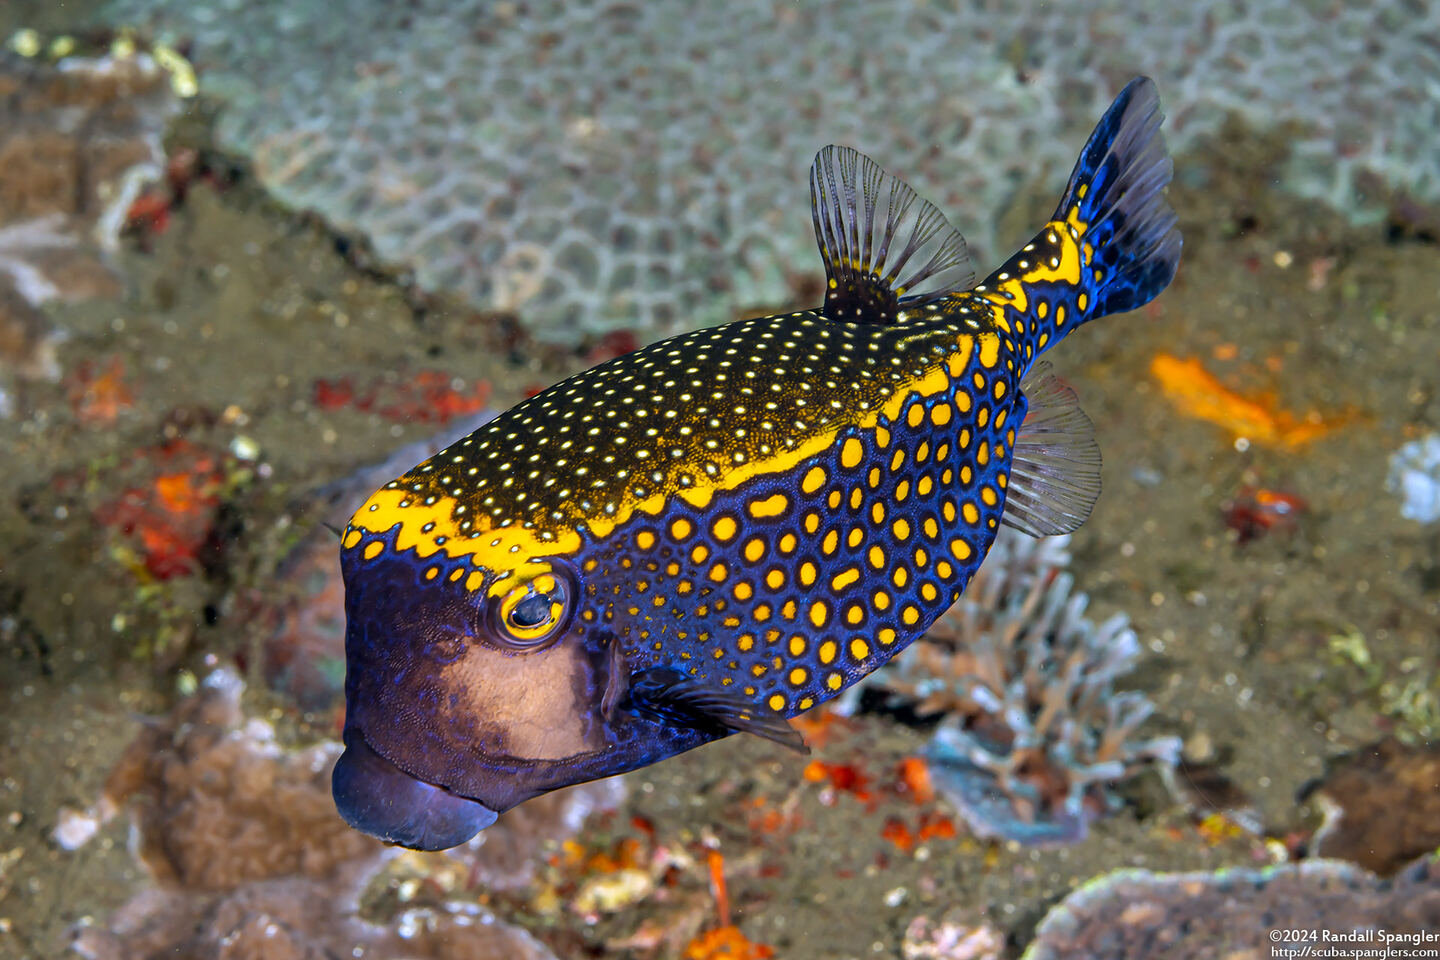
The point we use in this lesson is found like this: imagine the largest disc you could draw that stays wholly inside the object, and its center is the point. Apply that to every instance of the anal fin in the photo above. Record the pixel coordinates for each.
(1055, 472)
(669, 694)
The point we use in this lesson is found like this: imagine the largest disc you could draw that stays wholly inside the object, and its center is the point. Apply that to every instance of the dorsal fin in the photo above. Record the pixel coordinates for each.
(884, 247)
(1055, 474)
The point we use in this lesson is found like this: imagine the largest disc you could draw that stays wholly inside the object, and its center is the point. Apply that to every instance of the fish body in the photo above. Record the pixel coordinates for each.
(718, 531)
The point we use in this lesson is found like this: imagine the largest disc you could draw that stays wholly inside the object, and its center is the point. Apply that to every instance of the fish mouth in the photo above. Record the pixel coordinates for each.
(376, 797)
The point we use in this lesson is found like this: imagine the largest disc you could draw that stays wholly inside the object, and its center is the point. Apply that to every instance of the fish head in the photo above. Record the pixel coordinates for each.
(478, 674)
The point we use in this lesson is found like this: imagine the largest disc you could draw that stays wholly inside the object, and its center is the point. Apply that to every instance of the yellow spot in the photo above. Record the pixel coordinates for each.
(922, 451)
(644, 539)
(775, 579)
(897, 460)
(851, 453)
(971, 514)
(940, 415)
(806, 703)
(1082, 301)
(943, 568)
(814, 480)
(474, 581)
(911, 615)
(988, 495)
(900, 577)
(927, 590)
(797, 646)
(844, 578)
(859, 649)
(921, 558)
(982, 455)
(788, 543)
(877, 512)
(456, 574)
(999, 389)
(769, 507)
(1059, 314)
(372, 550)
(777, 702)
(812, 522)
(432, 573)
(924, 486)
(882, 437)
(681, 528)
(831, 543)
(719, 572)
(724, 528)
(965, 474)
(877, 557)
(962, 401)
(982, 416)
(833, 499)
(888, 636)
(827, 651)
(700, 553)
(960, 549)
(874, 478)
(902, 490)
(932, 529)
(881, 600)
(915, 415)
(854, 614)
(1041, 309)
(901, 528)
(989, 350)
(819, 613)
(754, 550)
(856, 498)
(762, 613)
(798, 676)
(1001, 480)
(835, 681)
(807, 573)
(854, 539)
(352, 538)
(743, 591)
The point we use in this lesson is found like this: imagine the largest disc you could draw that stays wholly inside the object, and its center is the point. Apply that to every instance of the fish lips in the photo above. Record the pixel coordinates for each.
(375, 796)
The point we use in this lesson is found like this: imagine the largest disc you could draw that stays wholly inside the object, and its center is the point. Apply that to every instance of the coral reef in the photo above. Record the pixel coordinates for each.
(79, 137)
(249, 858)
(1034, 730)
(590, 167)
(1133, 914)
(1415, 476)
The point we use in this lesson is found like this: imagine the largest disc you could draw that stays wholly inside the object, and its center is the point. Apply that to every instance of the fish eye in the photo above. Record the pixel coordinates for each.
(532, 612)
(531, 615)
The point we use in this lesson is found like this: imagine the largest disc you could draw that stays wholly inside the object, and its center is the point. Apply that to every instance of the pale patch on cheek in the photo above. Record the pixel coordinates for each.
(530, 706)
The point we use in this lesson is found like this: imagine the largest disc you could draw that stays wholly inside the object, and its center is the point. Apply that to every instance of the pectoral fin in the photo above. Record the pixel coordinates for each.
(669, 694)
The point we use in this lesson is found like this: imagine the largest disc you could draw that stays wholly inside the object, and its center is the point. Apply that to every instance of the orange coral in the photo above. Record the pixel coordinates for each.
(1197, 393)
(99, 393)
(726, 943)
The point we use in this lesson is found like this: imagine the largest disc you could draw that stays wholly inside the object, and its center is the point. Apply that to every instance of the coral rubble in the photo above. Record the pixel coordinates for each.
(79, 136)
(1415, 476)
(1034, 730)
(249, 858)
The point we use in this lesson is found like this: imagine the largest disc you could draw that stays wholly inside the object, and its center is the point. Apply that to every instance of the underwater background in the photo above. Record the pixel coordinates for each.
(256, 258)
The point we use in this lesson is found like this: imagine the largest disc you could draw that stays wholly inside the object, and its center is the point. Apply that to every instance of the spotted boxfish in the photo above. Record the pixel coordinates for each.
(721, 530)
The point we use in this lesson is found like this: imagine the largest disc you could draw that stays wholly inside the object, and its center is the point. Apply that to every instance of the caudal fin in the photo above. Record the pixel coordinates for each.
(1116, 199)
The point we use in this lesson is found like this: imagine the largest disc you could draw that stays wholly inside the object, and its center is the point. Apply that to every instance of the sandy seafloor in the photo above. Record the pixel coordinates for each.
(243, 306)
